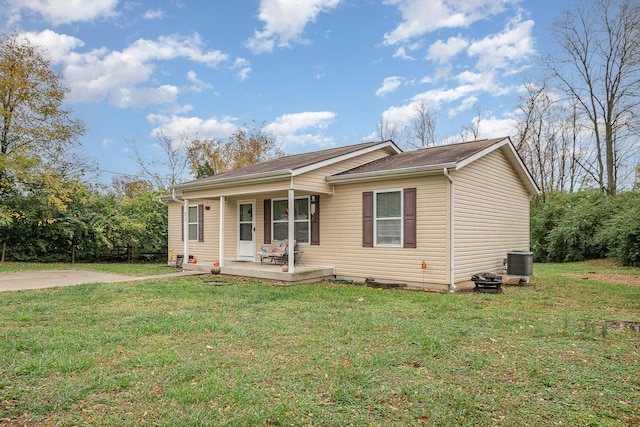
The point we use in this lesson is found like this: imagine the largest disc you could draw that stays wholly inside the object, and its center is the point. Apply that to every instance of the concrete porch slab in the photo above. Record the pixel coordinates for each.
(266, 271)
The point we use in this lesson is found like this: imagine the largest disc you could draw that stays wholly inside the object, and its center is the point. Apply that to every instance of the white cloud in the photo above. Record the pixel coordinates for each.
(242, 68)
(198, 85)
(389, 85)
(285, 21)
(492, 127)
(66, 11)
(443, 52)
(176, 126)
(100, 73)
(291, 123)
(58, 46)
(513, 44)
(139, 97)
(401, 53)
(289, 128)
(152, 14)
(420, 17)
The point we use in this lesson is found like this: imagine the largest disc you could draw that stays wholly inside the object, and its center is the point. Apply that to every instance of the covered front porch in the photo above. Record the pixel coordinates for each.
(267, 271)
(246, 219)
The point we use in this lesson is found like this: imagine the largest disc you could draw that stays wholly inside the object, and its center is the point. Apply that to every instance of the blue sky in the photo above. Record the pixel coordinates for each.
(317, 73)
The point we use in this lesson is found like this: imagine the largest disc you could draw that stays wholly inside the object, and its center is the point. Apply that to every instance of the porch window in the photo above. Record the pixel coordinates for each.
(301, 218)
(388, 218)
(193, 223)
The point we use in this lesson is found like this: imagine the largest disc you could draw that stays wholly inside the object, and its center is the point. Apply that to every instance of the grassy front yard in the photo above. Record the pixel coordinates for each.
(188, 352)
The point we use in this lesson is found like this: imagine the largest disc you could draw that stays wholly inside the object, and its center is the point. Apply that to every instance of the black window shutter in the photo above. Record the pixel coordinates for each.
(200, 223)
(315, 222)
(367, 219)
(267, 221)
(182, 221)
(410, 218)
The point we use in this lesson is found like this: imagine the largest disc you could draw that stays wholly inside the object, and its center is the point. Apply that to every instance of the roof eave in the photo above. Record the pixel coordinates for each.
(246, 179)
(393, 173)
(388, 145)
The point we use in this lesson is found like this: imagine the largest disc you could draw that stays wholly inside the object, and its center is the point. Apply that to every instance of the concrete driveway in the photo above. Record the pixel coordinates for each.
(53, 278)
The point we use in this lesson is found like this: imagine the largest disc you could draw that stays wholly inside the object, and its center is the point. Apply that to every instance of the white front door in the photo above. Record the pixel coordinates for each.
(246, 230)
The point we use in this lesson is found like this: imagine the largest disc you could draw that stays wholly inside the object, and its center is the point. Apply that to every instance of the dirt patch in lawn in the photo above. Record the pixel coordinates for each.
(618, 279)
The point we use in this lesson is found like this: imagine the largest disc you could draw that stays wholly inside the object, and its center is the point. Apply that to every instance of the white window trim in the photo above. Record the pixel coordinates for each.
(308, 220)
(375, 218)
(197, 224)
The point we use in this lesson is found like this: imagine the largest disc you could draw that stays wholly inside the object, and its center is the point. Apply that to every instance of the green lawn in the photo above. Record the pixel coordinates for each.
(147, 269)
(242, 352)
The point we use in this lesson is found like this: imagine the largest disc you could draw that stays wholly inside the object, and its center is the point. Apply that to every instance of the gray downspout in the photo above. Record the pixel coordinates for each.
(452, 236)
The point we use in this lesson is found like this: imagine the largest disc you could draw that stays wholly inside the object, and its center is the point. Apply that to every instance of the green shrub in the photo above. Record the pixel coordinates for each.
(586, 225)
(621, 233)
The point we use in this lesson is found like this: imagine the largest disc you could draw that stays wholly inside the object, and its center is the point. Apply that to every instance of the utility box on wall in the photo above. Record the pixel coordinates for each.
(520, 263)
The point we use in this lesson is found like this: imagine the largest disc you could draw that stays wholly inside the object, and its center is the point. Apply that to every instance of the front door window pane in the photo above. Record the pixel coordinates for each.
(245, 232)
(245, 213)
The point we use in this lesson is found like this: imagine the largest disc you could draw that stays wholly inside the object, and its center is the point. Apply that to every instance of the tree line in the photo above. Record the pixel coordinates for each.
(576, 131)
(48, 210)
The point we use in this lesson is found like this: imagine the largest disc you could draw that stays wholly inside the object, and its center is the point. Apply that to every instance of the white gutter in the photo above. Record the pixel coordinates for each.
(396, 173)
(174, 197)
(452, 236)
(239, 180)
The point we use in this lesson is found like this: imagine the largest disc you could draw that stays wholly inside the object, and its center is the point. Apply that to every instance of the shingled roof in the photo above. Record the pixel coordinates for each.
(444, 155)
(435, 160)
(288, 164)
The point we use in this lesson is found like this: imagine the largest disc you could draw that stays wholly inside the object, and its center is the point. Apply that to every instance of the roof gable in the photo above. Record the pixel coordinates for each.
(435, 159)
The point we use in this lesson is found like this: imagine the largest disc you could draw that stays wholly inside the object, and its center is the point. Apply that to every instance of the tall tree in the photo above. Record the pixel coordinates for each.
(387, 131)
(548, 137)
(250, 146)
(598, 65)
(168, 165)
(206, 156)
(37, 132)
(472, 131)
(422, 129)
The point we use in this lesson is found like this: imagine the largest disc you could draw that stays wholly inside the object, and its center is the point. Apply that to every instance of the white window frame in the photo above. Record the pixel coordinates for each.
(189, 224)
(376, 219)
(308, 220)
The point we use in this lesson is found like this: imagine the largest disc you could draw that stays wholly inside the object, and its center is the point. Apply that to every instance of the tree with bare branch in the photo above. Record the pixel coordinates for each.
(386, 130)
(422, 130)
(598, 65)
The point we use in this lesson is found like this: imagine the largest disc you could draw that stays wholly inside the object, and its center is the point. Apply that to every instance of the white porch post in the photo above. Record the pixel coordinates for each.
(221, 239)
(185, 233)
(291, 231)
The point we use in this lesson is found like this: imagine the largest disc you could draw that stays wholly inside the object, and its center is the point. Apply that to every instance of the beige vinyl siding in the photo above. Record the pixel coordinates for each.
(316, 180)
(202, 251)
(174, 229)
(341, 235)
(491, 215)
